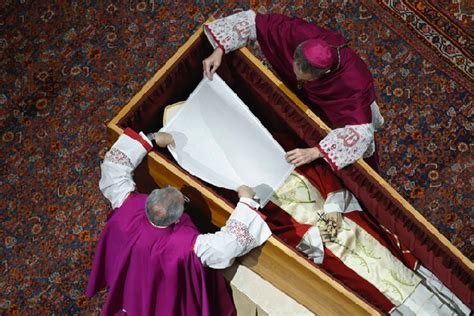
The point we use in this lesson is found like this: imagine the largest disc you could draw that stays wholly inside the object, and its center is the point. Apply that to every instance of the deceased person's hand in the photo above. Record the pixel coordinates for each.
(332, 222)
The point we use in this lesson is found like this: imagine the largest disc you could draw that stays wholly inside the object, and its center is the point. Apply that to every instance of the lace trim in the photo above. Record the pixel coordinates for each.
(117, 156)
(232, 32)
(344, 146)
(241, 232)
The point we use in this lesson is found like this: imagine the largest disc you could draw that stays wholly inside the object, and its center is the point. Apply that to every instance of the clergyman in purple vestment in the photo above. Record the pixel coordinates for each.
(151, 256)
(320, 67)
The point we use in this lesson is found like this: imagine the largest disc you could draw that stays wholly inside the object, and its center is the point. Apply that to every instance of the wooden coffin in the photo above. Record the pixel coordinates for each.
(274, 261)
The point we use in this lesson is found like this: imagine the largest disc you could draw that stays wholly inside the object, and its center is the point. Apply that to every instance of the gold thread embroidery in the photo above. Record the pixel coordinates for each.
(366, 252)
(397, 278)
(393, 287)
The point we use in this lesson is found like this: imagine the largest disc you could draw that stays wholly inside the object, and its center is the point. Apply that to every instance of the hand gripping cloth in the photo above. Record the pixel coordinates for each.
(219, 140)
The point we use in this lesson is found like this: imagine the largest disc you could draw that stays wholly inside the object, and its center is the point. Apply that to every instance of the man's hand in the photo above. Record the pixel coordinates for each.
(245, 191)
(163, 139)
(333, 222)
(301, 156)
(211, 63)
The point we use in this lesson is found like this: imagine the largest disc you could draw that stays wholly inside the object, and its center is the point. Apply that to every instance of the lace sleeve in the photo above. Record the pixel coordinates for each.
(232, 32)
(244, 230)
(120, 161)
(344, 146)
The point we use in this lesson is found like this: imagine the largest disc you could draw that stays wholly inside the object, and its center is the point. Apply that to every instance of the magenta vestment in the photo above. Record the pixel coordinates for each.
(154, 271)
(344, 96)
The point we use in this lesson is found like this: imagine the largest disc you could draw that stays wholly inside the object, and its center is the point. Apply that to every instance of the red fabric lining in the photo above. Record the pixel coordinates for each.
(321, 178)
(131, 133)
(284, 226)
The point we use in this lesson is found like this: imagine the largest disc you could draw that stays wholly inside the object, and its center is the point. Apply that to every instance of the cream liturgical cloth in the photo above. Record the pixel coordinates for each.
(412, 292)
(353, 245)
(220, 141)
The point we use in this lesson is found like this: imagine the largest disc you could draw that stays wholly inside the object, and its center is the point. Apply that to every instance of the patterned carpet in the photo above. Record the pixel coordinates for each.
(67, 69)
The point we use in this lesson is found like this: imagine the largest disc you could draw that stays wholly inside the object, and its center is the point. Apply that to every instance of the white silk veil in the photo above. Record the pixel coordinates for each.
(219, 140)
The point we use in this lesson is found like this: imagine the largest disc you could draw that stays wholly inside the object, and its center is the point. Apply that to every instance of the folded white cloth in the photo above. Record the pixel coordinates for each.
(219, 140)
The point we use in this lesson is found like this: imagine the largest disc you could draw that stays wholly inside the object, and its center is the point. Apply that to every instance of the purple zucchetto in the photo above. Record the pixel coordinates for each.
(319, 53)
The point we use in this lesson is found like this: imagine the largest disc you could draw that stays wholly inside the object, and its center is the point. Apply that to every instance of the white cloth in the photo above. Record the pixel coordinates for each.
(220, 141)
(341, 201)
(312, 245)
(243, 231)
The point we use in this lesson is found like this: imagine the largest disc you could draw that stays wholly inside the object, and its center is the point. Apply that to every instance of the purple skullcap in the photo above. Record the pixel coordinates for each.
(319, 53)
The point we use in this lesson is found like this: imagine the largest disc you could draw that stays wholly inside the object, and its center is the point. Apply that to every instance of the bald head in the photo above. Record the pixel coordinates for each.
(164, 206)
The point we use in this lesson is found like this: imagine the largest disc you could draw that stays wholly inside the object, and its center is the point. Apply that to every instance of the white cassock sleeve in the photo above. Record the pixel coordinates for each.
(116, 180)
(244, 230)
(232, 32)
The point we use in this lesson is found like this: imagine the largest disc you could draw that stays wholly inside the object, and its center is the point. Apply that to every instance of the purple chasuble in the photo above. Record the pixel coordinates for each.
(344, 96)
(154, 271)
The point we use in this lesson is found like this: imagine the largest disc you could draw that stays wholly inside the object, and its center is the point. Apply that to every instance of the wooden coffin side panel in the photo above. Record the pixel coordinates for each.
(303, 281)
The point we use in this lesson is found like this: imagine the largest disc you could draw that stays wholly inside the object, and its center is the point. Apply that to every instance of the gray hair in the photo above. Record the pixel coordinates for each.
(168, 199)
(303, 64)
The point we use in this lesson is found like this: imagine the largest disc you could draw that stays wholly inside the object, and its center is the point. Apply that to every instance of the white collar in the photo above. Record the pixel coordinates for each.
(156, 225)
(161, 226)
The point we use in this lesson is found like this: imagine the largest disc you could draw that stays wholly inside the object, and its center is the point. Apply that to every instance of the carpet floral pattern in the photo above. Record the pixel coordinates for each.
(443, 36)
(68, 67)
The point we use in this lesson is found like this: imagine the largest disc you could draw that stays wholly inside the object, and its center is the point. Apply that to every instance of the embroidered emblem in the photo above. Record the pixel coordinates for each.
(238, 229)
(242, 29)
(232, 32)
(351, 138)
(117, 156)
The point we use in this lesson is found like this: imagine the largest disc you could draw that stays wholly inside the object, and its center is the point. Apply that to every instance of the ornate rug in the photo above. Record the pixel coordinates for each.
(440, 30)
(66, 69)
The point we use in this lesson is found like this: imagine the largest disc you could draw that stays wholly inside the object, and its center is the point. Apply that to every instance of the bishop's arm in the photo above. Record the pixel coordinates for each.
(244, 230)
(120, 161)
